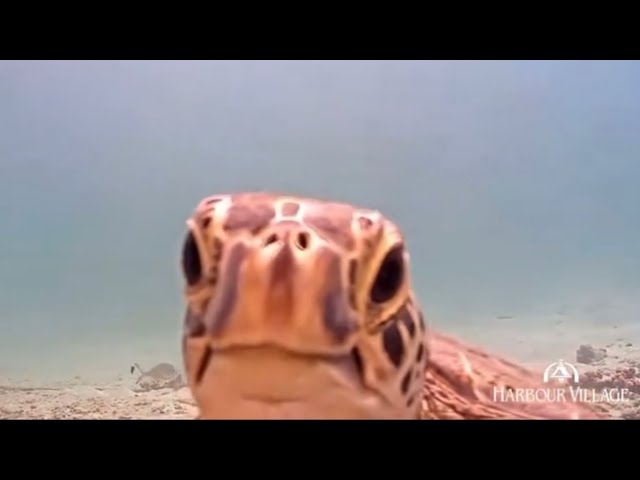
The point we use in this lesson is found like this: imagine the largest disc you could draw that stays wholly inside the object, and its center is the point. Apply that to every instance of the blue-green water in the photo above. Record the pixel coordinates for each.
(516, 183)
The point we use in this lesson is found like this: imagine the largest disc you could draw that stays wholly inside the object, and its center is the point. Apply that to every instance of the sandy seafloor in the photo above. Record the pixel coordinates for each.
(110, 390)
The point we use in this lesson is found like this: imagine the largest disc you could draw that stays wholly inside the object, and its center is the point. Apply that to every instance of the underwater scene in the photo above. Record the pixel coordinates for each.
(514, 187)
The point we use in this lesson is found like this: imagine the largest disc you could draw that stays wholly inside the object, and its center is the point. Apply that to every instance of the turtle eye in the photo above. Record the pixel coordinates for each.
(389, 277)
(191, 264)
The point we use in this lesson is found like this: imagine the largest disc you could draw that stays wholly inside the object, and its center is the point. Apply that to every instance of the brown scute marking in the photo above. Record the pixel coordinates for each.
(218, 316)
(365, 223)
(421, 324)
(392, 343)
(250, 217)
(204, 363)
(287, 223)
(407, 320)
(218, 247)
(193, 324)
(353, 266)
(411, 399)
(254, 197)
(211, 201)
(406, 381)
(213, 277)
(206, 221)
(357, 359)
(283, 266)
(420, 353)
(337, 317)
(334, 226)
(290, 209)
(352, 299)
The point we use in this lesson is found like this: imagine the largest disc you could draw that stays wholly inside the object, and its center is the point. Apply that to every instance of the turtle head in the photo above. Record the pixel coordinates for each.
(299, 308)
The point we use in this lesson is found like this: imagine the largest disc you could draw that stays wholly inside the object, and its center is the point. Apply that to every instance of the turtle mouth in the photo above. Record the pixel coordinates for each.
(345, 368)
(269, 382)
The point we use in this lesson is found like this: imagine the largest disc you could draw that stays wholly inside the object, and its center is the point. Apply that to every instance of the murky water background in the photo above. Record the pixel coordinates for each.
(516, 183)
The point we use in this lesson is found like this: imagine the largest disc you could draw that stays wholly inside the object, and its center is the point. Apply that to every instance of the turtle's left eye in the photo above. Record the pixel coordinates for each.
(191, 264)
(390, 276)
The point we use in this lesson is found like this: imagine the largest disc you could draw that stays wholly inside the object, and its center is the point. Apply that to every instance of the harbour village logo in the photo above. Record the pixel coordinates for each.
(563, 379)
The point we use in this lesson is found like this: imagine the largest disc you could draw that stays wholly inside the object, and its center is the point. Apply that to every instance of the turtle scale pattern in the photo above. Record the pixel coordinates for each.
(304, 308)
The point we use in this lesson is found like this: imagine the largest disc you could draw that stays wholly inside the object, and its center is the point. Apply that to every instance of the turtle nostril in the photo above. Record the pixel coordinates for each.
(302, 240)
(273, 238)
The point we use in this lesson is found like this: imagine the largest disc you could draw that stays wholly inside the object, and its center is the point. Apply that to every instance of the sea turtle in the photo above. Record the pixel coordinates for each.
(162, 375)
(304, 308)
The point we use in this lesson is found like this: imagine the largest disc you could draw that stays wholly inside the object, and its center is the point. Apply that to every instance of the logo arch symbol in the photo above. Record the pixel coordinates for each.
(561, 371)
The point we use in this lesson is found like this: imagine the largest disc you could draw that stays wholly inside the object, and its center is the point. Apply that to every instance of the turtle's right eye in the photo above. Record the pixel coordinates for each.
(191, 264)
